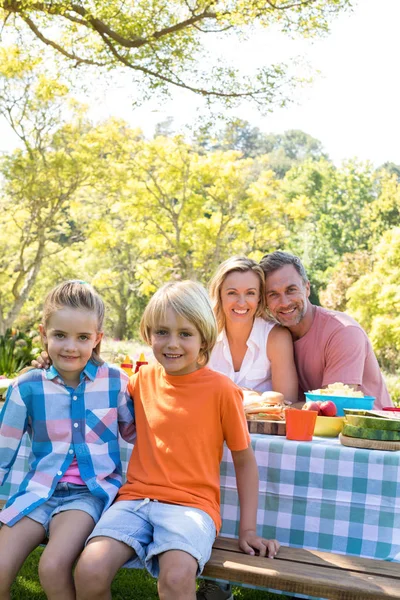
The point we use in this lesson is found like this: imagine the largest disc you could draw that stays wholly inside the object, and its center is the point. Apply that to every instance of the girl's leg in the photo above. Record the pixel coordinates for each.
(177, 579)
(16, 543)
(97, 567)
(67, 535)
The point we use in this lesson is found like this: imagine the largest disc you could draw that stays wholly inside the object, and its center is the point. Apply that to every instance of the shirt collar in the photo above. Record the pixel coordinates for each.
(255, 338)
(90, 371)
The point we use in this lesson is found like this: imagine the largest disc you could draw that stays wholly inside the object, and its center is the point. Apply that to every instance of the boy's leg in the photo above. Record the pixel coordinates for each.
(97, 567)
(16, 543)
(120, 535)
(67, 535)
(177, 578)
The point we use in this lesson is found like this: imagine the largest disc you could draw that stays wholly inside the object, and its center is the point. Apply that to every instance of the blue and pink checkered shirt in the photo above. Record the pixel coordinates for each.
(63, 423)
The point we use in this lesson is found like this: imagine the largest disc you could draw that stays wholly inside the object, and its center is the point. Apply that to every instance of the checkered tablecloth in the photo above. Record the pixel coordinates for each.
(318, 495)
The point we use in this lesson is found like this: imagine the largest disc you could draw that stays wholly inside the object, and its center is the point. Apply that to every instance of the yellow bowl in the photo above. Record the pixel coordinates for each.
(328, 426)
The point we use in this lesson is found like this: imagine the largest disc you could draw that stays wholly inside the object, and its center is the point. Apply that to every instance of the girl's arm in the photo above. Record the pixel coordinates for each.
(283, 369)
(126, 417)
(13, 424)
(246, 471)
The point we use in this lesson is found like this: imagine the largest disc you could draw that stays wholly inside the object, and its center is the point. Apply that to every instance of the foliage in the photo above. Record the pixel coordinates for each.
(163, 43)
(350, 268)
(374, 300)
(283, 150)
(17, 350)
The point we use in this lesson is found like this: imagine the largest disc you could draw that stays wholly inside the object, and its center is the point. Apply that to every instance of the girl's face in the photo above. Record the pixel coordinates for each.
(240, 296)
(71, 335)
(176, 344)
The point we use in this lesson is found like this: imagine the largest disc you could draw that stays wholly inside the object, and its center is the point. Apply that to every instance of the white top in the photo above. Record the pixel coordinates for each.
(255, 371)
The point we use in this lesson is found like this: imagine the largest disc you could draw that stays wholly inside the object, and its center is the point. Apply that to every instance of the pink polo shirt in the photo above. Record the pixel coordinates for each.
(336, 348)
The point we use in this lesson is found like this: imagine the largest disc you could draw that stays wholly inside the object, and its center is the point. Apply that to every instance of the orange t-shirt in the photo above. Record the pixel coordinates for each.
(182, 423)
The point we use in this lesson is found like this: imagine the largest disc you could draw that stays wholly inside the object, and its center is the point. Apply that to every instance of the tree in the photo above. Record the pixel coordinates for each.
(338, 202)
(284, 150)
(162, 43)
(374, 300)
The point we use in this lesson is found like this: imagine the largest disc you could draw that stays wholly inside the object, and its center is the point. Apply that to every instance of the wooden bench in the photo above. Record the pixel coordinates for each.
(295, 570)
(310, 572)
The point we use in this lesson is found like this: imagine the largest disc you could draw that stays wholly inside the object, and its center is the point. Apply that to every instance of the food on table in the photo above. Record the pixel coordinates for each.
(372, 425)
(312, 406)
(371, 434)
(325, 408)
(373, 421)
(328, 408)
(265, 407)
(338, 389)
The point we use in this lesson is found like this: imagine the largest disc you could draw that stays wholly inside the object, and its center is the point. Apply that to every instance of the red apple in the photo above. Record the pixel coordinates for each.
(312, 406)
(328, 408)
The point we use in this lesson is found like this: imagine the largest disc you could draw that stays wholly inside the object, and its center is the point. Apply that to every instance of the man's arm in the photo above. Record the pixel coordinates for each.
(247, 484)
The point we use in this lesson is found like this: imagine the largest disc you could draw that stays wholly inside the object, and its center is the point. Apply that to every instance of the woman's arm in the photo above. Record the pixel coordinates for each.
(281, 356)
(247, 485)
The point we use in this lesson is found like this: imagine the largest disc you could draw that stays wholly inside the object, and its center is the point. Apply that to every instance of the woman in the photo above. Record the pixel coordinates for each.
(255, 353)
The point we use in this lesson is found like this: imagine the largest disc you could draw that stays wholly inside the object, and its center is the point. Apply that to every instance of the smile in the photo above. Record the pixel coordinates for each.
(237, 311)
(173, 355)
(287, 312)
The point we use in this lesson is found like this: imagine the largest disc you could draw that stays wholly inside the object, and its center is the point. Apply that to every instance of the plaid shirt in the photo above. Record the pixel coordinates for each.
(62, 423)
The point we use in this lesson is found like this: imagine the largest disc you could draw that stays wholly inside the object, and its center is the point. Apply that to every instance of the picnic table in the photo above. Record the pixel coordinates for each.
(316, 495)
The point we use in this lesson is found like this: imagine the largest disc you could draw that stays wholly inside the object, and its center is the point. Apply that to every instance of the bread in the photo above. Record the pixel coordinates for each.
(273, 398)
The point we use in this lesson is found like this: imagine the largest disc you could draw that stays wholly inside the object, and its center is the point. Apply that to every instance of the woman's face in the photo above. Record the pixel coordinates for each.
(240, 296)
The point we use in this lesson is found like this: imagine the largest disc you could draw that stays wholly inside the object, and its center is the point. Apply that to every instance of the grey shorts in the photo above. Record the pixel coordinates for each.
(150, 528)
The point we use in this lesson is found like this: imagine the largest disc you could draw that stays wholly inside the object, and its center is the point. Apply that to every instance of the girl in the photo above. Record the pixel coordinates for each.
(72, 413)
(167, 514)
(255, 353)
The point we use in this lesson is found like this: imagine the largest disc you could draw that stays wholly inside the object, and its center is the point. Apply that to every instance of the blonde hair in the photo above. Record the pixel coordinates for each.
(78, 295)
(190, 301)
(239, 264)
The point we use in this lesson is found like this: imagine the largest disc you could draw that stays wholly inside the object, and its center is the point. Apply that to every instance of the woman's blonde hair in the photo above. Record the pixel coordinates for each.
(80, 295)
(190, 301)
(239, 264)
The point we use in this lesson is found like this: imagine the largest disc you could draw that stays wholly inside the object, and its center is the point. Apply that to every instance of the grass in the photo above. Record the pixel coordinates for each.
(129, 584)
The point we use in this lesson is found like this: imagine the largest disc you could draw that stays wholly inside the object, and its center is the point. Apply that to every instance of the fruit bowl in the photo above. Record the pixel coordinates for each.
(328, 426)
(341, 402)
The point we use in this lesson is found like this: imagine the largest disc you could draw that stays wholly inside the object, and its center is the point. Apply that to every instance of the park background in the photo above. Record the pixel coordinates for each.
(147, 141)
(128, 180)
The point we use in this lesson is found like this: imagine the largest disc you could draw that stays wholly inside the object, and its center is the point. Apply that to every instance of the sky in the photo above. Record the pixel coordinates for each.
(351, 106)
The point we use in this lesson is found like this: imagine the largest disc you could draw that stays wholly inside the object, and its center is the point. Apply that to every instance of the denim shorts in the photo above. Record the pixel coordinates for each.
(150, 527)
(67, 496)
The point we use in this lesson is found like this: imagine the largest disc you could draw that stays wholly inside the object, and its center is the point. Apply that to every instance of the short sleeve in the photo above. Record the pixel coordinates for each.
(345, 356)
(234, 424)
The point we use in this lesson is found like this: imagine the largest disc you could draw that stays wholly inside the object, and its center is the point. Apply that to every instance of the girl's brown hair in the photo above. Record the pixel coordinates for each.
(80, 295)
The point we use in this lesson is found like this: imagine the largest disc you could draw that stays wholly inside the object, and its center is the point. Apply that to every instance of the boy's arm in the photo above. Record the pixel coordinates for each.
(246, 471)
(126, 411)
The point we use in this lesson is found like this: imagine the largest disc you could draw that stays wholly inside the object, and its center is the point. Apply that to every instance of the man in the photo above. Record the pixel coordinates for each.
(329, 346)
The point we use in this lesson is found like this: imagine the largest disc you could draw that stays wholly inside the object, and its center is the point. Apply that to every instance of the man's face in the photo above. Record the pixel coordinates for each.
(287, 296)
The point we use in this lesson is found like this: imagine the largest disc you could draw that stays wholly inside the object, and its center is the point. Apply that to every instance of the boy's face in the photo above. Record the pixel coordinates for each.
(176, 344)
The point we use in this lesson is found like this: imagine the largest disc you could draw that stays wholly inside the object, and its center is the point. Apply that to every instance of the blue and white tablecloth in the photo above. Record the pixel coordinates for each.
(318, 495)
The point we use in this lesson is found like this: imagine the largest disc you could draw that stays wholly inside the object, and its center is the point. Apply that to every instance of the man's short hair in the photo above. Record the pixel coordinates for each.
(276, 260)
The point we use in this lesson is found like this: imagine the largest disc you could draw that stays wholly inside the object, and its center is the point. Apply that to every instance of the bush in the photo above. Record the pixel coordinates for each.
(17, 349)
(393, 386)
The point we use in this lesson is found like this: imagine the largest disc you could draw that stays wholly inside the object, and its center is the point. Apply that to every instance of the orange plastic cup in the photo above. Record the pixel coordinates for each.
(300, 424)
